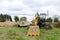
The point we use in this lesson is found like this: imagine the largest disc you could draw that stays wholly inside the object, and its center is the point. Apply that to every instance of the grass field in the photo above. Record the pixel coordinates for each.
(15, 33)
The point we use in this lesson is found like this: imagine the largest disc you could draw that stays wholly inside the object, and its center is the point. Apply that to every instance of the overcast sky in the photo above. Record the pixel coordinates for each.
(29, 7)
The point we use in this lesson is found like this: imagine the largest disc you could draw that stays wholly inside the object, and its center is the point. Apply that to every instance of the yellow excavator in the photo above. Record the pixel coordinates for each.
(37, 23)
(40, 20)
(34, 28)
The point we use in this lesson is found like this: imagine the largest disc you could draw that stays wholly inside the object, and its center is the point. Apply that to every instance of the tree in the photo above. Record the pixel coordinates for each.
(5, 17)
(16, 18)
(23, 19)
(56, 20)
(2, 18)
(49, 19)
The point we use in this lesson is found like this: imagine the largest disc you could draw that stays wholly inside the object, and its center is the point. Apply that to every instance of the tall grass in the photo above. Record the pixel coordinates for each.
(15, 33)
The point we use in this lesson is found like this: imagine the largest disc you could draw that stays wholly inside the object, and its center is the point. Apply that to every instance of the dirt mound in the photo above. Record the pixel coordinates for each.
(9, 23)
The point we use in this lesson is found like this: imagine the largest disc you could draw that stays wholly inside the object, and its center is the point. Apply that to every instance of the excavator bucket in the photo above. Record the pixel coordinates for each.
(33, 31)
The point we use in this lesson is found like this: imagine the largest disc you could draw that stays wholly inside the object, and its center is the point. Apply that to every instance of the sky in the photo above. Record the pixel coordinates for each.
(29, 8)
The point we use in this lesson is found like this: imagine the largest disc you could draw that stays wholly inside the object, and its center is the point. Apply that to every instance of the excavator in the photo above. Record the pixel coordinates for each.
(38, 22)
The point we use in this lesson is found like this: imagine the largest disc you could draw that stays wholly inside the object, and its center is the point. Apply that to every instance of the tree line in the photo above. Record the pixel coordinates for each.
(5, 17)
(52, 19)
(16, 18)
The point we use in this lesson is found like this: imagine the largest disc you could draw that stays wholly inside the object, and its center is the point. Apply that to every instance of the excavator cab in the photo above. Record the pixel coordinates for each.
(41, 20)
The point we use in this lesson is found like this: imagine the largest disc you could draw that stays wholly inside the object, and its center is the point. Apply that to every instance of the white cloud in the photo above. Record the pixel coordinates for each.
(41, 1)
(29, 7)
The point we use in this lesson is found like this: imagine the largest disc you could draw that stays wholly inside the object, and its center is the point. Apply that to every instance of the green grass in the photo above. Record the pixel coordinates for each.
(15, 33)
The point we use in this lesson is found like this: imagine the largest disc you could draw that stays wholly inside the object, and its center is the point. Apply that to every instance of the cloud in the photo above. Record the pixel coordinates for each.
(29, 7)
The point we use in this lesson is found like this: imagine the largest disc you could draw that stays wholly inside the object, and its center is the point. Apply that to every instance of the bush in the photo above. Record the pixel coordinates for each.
(57, 24)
